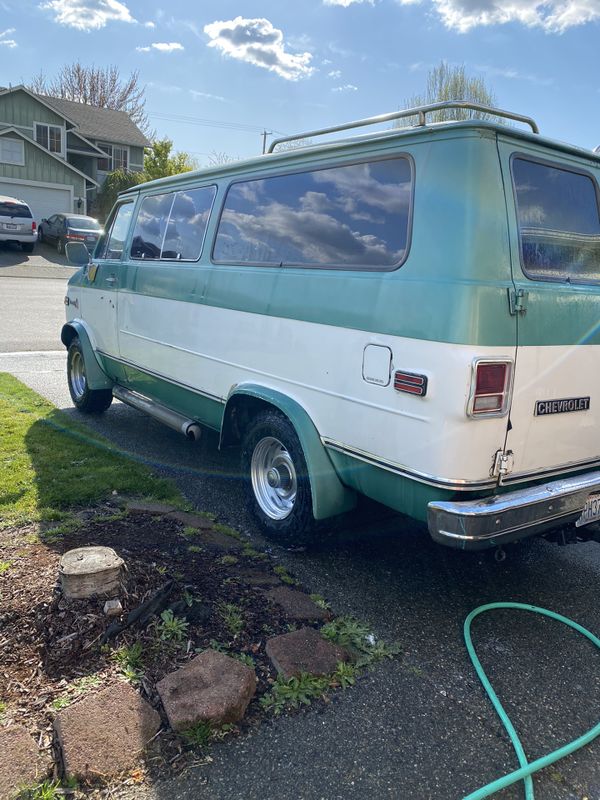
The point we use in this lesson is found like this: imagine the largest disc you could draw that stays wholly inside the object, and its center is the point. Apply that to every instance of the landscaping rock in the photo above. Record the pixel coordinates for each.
(88, 571)
(21, 763)
(219, 541)
(304, 650)
(104, 734)
(192, 520)
(256, 577)
(113, 608)
(296, 604)
(135, 507)
(210, 688)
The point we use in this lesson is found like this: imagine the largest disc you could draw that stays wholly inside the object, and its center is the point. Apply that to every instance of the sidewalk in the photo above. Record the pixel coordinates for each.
(44, 262)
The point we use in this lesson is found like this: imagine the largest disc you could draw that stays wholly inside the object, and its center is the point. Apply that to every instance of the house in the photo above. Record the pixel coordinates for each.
(55, 154)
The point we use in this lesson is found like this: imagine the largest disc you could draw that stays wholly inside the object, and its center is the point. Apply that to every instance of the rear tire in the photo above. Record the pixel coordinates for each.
(277, 482)
(27, 248)
(89, 401)
(60, 246)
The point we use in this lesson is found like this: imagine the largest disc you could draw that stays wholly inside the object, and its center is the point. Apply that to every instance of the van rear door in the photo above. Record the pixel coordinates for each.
(554, 222)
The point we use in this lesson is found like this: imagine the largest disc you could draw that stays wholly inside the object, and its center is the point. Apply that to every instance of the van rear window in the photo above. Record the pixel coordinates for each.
(351, 217)
(559, 222)
(18, 210)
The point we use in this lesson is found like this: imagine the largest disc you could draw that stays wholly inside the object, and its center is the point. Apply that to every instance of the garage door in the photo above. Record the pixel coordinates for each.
(43, 201)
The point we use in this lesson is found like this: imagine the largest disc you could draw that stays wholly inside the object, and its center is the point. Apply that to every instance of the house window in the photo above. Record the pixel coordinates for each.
(50, 137)
(105, 164)
(116, 158)
(12, 151)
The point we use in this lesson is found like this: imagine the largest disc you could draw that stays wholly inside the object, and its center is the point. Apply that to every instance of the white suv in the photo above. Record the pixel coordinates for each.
(17, 223)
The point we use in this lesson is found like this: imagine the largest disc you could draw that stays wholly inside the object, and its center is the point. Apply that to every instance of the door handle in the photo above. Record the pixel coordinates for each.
(112, 279)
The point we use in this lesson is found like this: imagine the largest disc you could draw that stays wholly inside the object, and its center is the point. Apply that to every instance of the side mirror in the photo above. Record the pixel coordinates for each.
(77, 254)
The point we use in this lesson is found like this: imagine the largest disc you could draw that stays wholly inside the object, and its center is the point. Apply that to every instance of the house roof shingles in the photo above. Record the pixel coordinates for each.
(104, 124)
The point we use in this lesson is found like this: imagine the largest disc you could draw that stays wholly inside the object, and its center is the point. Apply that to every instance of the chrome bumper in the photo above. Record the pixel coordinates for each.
(477, 524)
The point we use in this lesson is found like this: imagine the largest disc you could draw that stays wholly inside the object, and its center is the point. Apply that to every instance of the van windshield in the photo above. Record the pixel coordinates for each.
(559, 222)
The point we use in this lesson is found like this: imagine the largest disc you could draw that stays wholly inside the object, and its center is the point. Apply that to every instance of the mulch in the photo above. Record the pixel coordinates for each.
(51, 648)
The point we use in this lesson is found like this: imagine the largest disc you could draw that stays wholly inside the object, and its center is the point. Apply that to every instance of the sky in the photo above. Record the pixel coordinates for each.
(219, 72)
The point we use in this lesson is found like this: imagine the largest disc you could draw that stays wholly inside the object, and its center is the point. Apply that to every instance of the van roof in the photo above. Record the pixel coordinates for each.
(421, 130)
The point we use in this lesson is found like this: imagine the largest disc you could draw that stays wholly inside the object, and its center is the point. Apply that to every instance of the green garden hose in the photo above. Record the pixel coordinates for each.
(526, 769)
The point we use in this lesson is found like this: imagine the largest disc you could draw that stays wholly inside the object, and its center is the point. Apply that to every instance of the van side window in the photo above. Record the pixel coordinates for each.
(350, 217)
(559, 222)
(172, 226)
(111, 245)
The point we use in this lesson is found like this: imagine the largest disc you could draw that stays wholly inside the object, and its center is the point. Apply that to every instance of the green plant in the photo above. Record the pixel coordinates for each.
(129, 659)
(283, 575)
(189, 530)
(198, 735)
(171, 628)
(5, 566)
(320, 601)
(356, 637)
(231, 616)
(228, 561)
(48, 790)
(220, 647)
(293, 692)
(194, 548)
(245, 658)
(161, 570)
(344, 675)
(60, 702)
(2, 708)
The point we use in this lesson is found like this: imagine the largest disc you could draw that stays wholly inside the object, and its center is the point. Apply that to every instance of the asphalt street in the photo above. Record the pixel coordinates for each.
(418, 727)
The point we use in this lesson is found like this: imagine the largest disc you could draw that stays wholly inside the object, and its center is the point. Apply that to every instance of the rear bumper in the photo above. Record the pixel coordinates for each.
(478, 524)
(23, 238)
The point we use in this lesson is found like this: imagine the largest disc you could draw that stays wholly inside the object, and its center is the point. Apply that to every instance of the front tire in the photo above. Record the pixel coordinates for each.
(277, 482)
(89, 401)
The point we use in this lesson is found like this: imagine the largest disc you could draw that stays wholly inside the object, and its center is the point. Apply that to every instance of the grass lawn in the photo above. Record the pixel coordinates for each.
(51, 465)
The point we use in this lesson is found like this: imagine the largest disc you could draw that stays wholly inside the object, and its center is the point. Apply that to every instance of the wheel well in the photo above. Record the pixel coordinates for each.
(240, 410)
(67, 334)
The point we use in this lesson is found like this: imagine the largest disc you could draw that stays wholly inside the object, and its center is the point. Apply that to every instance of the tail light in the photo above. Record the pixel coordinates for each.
(491, 386)
(33, 226)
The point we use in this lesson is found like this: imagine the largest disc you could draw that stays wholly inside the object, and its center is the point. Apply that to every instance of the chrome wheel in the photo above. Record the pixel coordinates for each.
(77, 375)
(273, 478)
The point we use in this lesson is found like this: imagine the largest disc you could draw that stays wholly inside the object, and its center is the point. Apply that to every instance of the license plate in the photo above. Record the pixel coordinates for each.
(9, 227)
(91, 238)
(591, 511)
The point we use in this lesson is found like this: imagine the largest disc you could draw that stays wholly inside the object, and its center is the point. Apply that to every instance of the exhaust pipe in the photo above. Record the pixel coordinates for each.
(188, 427)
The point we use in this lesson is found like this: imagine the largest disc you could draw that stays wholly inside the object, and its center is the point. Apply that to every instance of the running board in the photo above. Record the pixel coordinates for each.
(188, 427)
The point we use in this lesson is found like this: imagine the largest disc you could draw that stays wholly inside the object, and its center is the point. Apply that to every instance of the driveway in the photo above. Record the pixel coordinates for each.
(44, 262)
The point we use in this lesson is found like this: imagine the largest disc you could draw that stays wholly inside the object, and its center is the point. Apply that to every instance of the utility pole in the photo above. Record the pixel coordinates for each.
(264, 135)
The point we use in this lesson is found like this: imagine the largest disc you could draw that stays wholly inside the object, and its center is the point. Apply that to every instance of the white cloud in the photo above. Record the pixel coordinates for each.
(162, 47)
(4, 40)
(335, 73)
(258, 42)
(347, 87)
(206, 96)
(346, 3)
(553, 16)
(150, 24)
(87, 15)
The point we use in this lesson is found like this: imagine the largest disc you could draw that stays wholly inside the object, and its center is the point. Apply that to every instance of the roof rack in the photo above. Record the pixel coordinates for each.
(419, 111)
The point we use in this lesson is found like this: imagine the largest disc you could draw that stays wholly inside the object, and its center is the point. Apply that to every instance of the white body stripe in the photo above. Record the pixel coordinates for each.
(321, 366)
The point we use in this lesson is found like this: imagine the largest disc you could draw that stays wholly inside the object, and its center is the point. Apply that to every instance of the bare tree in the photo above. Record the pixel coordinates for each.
(97, 86)
(445, 82)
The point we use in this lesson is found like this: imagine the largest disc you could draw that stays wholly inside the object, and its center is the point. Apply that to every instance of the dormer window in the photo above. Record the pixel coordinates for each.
(50, 137)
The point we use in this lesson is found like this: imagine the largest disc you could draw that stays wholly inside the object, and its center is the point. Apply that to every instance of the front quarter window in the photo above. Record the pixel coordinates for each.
(112, 243)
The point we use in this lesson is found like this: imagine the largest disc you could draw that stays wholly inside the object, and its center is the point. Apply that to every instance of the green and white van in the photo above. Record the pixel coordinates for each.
(411, 315)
